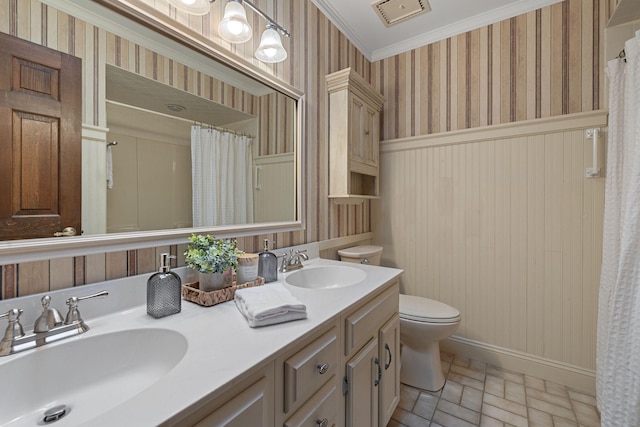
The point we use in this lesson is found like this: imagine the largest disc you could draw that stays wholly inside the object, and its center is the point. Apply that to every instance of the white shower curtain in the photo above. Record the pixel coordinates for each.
(221, 178)
(618, 351)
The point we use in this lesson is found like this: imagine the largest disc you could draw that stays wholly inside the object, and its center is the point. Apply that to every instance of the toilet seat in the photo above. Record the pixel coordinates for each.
(420, 309)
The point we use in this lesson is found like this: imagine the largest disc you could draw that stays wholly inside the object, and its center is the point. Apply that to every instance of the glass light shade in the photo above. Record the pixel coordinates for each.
(271, 49)
(192, 7)
(234, 27)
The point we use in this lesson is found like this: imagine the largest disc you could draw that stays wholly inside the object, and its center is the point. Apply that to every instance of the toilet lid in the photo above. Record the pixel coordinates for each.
(360, 251)
(423, 309)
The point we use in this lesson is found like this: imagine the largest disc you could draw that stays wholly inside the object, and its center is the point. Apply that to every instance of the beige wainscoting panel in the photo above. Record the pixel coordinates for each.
(501, 223)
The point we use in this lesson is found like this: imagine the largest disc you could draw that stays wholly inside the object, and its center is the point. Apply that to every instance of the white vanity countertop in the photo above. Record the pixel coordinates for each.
(221, 345)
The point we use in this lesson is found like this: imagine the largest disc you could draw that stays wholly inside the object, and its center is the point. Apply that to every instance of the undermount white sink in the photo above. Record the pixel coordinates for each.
(88, 374)
(326, 277)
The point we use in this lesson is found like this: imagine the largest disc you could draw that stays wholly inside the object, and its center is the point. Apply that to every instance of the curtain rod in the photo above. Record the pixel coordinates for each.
(144, 110)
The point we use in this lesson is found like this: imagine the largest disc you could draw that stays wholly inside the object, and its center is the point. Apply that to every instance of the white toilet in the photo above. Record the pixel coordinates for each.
(423, 324)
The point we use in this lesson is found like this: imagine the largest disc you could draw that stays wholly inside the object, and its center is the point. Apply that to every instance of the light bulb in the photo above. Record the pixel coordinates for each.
(234, 27)
(270, 52)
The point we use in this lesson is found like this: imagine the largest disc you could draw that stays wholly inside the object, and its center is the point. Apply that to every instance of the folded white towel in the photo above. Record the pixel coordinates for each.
(269, 304)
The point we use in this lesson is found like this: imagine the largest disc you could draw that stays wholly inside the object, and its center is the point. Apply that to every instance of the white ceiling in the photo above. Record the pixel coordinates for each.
(359, 22)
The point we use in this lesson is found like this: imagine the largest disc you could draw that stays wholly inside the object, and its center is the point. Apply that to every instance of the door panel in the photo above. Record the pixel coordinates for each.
(40, 140)
(362, 397)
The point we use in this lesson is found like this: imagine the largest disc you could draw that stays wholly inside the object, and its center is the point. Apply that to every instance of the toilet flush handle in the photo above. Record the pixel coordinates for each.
(364, 261)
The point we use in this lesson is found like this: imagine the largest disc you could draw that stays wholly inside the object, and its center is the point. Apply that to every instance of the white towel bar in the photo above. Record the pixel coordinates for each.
(593, 172)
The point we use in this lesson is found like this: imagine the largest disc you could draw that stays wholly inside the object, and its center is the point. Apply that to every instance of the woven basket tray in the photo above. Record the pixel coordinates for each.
(191, 292)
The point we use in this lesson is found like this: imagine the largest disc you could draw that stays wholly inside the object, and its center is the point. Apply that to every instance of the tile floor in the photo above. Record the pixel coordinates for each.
(477, 394)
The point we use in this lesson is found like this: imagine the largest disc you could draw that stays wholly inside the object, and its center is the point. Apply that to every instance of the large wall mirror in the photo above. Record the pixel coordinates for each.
(140, 170)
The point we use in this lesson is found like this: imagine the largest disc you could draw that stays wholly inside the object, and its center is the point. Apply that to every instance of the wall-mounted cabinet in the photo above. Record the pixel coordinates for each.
(354, 137)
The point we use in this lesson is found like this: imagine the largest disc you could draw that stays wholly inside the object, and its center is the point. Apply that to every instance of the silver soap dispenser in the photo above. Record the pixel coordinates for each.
(267, 264)
(164, 290)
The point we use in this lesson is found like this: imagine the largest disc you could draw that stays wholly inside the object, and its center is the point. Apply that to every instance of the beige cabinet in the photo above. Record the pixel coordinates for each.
(372, 351)
(308, 393)
(362, 380)
(248, 403)
(354, 137)
(389, 356)
(345, 372)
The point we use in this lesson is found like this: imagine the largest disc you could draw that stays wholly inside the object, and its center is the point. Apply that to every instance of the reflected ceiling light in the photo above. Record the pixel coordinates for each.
(271, 49)
(193, 7)
(234, 26)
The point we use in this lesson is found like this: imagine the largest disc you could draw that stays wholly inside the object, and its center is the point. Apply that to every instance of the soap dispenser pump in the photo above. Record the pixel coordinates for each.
(164, 290)
(267, 264)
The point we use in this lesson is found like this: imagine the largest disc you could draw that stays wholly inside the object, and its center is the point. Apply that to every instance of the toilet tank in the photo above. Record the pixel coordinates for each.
(363, 254)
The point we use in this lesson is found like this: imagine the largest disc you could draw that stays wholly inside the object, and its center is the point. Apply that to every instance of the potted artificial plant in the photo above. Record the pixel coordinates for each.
(214, 260)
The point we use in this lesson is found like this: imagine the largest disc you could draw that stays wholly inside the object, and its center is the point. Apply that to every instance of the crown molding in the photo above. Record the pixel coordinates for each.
(490, 17)
(330, 12)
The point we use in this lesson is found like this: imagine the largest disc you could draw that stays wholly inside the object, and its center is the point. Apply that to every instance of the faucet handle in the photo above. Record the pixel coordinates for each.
(73, 315)
(14, 328)
(50, 317)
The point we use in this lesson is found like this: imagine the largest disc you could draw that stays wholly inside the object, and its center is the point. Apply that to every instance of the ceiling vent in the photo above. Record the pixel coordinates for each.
(395, 11)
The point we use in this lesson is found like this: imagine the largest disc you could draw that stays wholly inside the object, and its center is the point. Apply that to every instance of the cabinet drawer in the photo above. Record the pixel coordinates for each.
(362, 325)
(307, 370)
(321, 409)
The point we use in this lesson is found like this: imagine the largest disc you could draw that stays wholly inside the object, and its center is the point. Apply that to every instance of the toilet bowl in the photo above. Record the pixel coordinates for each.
(423, 324)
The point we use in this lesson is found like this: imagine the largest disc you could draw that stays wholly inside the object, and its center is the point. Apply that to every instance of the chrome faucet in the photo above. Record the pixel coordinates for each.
(293, 260)
(48, 328)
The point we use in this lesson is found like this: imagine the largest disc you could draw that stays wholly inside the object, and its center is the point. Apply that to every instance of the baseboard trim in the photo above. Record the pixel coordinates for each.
(539, 367)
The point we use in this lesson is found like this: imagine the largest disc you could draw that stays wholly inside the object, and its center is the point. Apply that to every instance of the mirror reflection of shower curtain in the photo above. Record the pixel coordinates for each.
(221, 178)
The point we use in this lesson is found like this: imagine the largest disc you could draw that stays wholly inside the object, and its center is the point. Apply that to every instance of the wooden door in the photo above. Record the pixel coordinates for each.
(40, 140)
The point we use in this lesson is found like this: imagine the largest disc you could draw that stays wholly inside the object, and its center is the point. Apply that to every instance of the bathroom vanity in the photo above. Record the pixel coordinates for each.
(207, 367)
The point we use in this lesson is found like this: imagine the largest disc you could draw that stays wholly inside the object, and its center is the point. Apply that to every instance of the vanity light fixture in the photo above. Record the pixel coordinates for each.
(235, 28)
(270, 49)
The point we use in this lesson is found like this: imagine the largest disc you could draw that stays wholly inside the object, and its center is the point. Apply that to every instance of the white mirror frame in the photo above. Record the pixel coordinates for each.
(151, 21)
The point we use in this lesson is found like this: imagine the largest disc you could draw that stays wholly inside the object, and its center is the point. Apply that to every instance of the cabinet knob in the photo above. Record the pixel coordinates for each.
(323, 422)
(323, 368)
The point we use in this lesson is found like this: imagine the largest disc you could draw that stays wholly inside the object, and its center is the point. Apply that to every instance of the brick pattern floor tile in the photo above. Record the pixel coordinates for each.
(477, 394)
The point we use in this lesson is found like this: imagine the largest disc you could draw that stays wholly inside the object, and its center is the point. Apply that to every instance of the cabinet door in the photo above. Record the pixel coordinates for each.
(363, 373)
(357, 111)
(251, 407)
(389, 342)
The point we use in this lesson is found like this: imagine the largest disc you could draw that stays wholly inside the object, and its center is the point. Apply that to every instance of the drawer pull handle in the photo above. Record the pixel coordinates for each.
(386, 365)
(377, 380)
(323, 422)
(323, 368)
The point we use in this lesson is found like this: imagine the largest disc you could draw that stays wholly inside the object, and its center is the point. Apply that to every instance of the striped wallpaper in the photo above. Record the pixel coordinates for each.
(541, 64)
